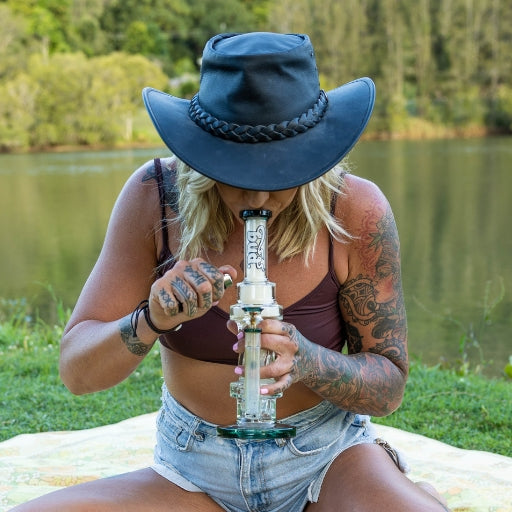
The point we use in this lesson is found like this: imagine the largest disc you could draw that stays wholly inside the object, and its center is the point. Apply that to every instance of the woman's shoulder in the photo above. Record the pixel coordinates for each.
(139, 202)
(361, 188)
(149, 171)
(361, 198)
(152, 177)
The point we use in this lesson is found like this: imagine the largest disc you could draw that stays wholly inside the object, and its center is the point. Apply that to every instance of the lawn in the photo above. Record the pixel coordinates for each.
(468, 411)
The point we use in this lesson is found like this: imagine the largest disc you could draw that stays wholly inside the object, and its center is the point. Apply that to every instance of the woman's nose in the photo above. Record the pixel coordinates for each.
(256, 198)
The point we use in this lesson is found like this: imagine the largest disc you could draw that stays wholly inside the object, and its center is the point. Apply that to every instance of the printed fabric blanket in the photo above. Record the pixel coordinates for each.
(34, 464)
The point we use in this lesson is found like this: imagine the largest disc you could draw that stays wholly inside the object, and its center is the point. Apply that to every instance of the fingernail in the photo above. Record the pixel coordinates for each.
(235, 347)
(240, 335)
(264, 391)
(238, 370)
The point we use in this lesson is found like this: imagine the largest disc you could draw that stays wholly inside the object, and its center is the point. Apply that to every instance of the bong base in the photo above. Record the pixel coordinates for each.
(257, 430)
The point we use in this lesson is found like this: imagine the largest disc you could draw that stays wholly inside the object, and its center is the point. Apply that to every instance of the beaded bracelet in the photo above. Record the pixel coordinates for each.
(143, 306)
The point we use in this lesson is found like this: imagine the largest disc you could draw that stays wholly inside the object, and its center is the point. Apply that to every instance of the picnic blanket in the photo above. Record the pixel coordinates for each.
(34, 464)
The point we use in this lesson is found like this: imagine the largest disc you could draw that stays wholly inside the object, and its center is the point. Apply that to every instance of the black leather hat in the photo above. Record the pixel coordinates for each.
(260, 120)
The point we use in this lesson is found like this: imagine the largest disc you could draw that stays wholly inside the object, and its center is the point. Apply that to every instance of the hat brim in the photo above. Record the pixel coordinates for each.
(270, 166)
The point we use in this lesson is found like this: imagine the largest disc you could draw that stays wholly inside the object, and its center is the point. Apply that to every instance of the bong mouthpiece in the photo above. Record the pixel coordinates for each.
(246, 214)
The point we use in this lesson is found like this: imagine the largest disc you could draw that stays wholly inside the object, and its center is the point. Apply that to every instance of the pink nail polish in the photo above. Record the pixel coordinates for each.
(238, 370)
(264, 391)
(240, 335)
(235, 347)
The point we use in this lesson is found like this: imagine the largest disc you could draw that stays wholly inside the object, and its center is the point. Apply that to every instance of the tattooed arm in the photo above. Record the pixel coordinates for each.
(99, 348)
(371, 378)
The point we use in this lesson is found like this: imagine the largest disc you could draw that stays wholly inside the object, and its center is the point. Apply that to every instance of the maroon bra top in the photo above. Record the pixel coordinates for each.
(316, 316)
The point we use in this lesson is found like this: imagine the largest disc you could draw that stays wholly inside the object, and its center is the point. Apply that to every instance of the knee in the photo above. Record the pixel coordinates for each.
(430, 489)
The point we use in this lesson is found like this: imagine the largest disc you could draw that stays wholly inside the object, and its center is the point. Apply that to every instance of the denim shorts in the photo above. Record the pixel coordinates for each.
(271, 475)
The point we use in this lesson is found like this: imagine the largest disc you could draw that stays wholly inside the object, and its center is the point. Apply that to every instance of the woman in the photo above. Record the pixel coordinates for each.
(260, 134)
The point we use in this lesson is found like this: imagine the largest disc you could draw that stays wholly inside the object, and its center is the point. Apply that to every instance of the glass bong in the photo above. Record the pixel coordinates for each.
(256, 413)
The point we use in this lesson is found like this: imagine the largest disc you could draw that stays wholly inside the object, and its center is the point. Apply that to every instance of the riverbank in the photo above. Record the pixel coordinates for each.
(412, 128)
(470, 411)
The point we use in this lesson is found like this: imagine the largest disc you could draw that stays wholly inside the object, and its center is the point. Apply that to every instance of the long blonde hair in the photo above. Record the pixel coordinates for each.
(206, 222)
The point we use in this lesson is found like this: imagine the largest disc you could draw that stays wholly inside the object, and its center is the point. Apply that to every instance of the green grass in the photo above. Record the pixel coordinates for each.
(32, 397)
(468, 411)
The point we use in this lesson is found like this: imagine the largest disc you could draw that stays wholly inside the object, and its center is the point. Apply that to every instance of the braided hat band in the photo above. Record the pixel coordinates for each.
(259, 133)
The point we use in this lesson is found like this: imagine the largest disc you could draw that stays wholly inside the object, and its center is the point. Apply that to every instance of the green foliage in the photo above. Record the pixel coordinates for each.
(67, 98)
(508, 368)
(440, 67)
(465, 411)
(500, 112)
(445, 61)
(32, 397)
(138, 39)
(471, 333)
(16, 112)
(48, 21)
(21, 328)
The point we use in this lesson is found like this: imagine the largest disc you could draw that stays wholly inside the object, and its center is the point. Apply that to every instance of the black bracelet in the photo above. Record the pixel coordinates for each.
(143, 306)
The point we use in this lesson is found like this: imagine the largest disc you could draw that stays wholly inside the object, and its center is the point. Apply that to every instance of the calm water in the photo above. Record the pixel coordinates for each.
(450, 198)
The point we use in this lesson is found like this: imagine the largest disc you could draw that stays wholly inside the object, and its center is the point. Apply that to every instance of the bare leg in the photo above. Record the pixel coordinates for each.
(136, 491)
(365, 479)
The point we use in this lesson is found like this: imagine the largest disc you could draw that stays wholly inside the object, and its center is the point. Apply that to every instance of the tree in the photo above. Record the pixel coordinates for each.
(338, 31)
(88, 101)
(13, 37)
(17, 109)
(48, 21)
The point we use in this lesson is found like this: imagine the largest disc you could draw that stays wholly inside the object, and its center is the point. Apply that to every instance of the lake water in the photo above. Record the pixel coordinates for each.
(451, 201)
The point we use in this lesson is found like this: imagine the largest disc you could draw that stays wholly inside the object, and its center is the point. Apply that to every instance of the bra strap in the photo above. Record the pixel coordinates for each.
(161, 194)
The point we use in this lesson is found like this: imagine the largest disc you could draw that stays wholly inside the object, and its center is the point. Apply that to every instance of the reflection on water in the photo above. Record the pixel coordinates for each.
(450, 199)
(451, 203)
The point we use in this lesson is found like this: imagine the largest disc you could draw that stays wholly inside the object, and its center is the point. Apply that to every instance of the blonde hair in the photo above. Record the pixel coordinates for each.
(206, 222)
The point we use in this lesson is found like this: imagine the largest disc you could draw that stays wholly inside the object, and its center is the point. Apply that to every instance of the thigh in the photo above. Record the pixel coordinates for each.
(131, 492)
(364, 478)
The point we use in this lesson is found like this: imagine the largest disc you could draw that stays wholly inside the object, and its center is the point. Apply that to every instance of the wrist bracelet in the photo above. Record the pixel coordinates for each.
(143, 306)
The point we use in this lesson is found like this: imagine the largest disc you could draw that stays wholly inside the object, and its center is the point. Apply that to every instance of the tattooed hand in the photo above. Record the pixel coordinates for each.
(186, 291)
(367, 383)
(293, 362)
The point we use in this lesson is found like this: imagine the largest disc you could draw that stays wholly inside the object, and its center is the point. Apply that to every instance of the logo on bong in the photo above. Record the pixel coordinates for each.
(256, 247)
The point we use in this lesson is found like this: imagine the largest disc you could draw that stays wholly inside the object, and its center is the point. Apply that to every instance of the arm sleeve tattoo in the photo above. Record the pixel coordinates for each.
(371, 378)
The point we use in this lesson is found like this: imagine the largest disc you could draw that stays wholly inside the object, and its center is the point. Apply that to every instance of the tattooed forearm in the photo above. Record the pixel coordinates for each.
(364, 383)
(132, 342)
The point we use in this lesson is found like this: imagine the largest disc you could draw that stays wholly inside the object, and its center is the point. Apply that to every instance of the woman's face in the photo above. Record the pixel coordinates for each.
(237, 199)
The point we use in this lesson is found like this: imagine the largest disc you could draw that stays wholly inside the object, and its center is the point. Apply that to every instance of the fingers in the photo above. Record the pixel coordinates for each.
(233, 327)
(278, 337)
(188, 290)
(199, 285)
(277, 387)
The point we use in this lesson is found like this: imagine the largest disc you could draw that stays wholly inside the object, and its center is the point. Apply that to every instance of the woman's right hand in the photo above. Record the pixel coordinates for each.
(186, 291)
